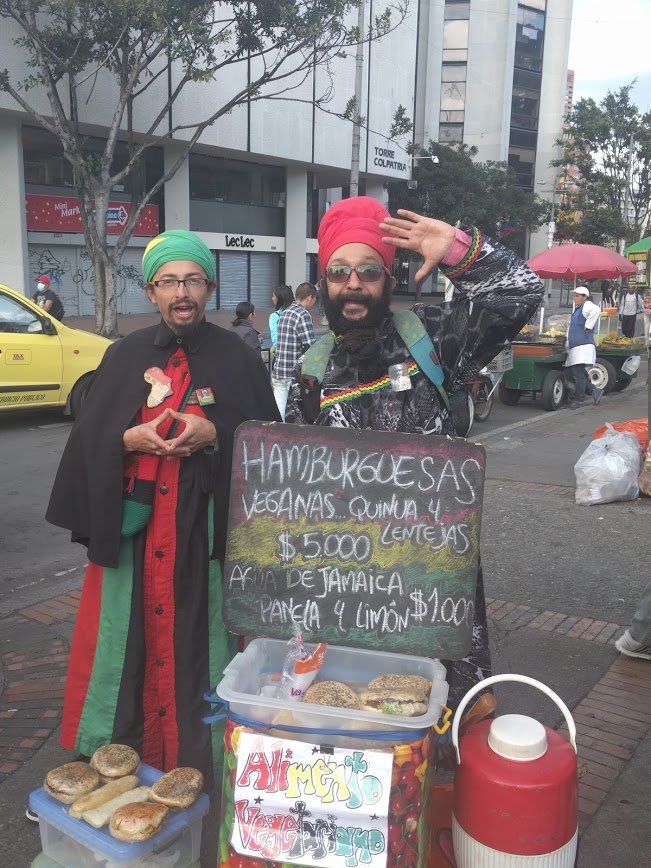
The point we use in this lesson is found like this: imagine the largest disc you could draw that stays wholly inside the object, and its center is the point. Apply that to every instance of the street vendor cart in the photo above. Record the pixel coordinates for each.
(537, 370)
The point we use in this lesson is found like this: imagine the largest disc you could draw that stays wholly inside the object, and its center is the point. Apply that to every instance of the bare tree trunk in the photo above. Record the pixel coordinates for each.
(104, 271)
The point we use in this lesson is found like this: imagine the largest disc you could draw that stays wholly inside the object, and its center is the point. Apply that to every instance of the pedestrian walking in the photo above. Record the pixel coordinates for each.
(606, 294)
(635, 641)
(581, 350)
(359, 386)
(281, 298)
(243, 325)
(295, 336)
(630, 305)
(142, 484)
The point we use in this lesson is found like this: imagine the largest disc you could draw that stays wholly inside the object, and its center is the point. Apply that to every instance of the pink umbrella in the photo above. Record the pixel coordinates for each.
(570, 261)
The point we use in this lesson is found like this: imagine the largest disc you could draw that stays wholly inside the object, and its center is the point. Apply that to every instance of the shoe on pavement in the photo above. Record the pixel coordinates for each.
(574, 405)
(626, 644)
(32, 816)
(597, 394)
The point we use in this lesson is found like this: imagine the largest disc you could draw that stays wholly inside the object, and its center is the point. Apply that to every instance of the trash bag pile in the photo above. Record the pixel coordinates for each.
(609, 468)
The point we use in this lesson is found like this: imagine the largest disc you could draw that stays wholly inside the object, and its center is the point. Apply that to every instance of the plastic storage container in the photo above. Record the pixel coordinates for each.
(73, 843)
(249, 671)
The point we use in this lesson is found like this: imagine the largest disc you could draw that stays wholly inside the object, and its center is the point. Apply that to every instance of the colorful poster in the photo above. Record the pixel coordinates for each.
(311, 805)
(61, 214)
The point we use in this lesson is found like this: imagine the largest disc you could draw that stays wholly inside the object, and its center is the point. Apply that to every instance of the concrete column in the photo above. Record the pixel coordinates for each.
(295, 227)
(376, 190)
(14, 264)
(177, 190)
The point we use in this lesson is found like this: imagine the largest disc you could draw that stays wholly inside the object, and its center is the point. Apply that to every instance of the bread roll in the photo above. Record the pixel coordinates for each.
(333, 693)
(418, 683)
(137, 822)
(99, 817)
(114, 761)
(103, 795)
(178, 789)
(69, 782)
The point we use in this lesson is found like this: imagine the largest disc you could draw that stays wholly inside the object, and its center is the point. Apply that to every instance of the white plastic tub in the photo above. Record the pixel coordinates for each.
(247, 673)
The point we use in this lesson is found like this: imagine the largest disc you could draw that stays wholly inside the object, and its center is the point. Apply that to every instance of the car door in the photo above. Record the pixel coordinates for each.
(30, 360)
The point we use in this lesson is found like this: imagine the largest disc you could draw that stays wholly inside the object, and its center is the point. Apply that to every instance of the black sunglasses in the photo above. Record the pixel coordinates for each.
(367, 273)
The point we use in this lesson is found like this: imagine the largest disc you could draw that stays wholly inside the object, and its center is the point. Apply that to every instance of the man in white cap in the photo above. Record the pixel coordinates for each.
(581, 351)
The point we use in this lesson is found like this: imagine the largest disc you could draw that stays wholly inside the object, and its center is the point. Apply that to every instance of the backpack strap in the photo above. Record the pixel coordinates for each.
(316, 358)
(412, 332)
(419, 343)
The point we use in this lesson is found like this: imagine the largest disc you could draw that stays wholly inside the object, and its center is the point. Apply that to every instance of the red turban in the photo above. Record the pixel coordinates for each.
(353, 221)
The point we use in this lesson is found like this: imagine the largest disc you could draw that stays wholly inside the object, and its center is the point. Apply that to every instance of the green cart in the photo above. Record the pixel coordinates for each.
(539, 369)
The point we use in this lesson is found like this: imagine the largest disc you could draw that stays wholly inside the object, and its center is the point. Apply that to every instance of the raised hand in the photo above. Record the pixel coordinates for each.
(431, 238)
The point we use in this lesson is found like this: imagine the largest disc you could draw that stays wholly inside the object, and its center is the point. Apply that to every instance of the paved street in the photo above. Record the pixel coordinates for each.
(563, 580)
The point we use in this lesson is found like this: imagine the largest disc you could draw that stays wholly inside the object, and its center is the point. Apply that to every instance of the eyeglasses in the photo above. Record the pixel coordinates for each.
(367, 273)
(173, 283)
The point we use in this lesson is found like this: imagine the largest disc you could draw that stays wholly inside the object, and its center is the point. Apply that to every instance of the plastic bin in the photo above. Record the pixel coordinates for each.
(247, 673)
(73, 843)
(502, 362)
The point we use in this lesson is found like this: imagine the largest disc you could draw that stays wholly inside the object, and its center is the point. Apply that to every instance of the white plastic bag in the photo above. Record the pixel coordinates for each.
(609, 468)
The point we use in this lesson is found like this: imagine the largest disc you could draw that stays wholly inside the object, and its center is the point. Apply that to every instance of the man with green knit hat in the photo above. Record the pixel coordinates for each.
(143, 483)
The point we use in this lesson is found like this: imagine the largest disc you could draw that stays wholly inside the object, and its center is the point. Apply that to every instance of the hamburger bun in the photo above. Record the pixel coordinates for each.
(406, 703)
(115, 761)
(137, 822)
(333, 693)
(421, 686)
(178, 789)
(70, 782)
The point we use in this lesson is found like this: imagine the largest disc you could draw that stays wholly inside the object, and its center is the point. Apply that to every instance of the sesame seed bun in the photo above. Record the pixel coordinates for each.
(178, 789)
(422, 686)
(137, 822)
(69, 782)
(333, 693)
(115, 761)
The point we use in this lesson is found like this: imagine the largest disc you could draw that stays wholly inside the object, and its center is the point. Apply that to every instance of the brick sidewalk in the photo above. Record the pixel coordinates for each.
(611, 720)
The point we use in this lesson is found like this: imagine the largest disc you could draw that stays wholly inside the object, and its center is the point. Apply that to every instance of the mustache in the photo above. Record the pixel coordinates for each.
(356, 297)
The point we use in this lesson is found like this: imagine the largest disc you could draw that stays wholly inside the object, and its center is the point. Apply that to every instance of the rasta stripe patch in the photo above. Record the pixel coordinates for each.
(364, 389)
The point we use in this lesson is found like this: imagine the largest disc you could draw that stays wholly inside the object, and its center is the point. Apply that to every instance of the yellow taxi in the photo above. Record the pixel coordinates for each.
(43, 363)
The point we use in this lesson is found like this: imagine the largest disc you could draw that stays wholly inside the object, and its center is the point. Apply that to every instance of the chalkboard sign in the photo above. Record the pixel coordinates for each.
(363, 538)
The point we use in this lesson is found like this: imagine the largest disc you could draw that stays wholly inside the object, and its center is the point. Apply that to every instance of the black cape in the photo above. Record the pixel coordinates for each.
(87, 494)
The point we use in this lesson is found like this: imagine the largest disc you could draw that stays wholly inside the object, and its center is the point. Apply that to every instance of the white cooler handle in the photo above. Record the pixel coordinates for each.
(523, 679)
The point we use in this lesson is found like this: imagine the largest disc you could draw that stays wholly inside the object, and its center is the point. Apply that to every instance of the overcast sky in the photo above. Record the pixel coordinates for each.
(610, 46)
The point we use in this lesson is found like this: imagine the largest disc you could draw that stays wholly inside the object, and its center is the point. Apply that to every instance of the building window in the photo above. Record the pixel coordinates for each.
(525, 105)
(236, 182)
(529, 39)
(453, 96)
(450, 133)
(457, 10)
(523, 161)
(455, 40)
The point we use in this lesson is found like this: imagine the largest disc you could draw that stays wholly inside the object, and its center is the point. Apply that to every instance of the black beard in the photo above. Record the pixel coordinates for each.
(377, 309)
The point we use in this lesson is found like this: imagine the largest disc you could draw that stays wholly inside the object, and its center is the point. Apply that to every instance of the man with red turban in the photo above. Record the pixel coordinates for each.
(497, 295)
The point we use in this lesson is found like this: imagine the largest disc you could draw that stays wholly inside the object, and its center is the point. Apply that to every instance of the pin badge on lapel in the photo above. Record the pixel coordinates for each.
(160, 386)
(205, 396)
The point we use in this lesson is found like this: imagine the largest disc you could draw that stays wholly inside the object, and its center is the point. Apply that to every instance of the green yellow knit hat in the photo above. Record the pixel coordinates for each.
(173, 245)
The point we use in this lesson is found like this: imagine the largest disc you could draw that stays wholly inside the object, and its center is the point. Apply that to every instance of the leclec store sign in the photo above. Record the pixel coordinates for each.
(62, 214)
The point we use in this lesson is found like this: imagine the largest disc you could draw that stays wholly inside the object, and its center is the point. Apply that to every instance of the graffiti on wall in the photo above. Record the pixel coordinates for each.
(71, 276)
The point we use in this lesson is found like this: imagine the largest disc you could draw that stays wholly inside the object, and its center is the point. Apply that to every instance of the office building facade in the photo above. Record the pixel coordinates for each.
(489, 73)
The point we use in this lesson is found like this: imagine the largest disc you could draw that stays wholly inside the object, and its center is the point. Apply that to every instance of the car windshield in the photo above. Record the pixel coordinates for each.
(16, 318)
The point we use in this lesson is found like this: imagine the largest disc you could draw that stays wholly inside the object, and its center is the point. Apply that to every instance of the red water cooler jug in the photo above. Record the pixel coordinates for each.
(515, 789)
